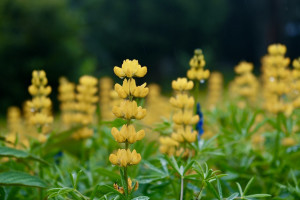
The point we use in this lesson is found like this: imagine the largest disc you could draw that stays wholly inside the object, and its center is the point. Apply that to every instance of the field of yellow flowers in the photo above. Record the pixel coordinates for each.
(128, 141)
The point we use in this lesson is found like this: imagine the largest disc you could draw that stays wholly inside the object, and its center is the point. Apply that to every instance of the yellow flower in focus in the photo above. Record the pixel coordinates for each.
(129, 88)
(129, 110)
(124, 157)
(130, 68)
(127, 133)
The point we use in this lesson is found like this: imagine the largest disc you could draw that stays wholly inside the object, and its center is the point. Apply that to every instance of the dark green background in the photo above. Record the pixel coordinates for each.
(75, 37)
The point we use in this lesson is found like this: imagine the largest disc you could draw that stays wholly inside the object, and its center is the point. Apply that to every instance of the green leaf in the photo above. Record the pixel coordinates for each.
(2, 194)
(20, 179)
(150, 178)
(153, 168)
(173, 164)
(240, 189)
(108, 173)
(219, 188)
(106, 189)
(11, 152)
(213, 190)
(54, 192)
(257, 195)
(188, 166)
(232, 196)
(141, 198)
(247, 186)
(118, 122)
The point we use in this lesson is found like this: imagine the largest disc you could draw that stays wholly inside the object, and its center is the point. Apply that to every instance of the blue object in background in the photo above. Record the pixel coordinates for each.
(199, 125)
(57, 157)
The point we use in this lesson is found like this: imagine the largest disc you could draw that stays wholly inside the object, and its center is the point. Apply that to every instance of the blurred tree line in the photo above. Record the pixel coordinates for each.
(75, 37)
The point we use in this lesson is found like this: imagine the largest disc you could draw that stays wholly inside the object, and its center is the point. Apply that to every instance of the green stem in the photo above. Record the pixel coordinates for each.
(181, 188)
(277, 140)
(200, 193)
(126, 174)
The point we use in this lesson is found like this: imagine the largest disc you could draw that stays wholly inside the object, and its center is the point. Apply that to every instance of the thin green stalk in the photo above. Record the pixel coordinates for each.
(200, 193)
(277, 140)
(126, 174)
(181, 188)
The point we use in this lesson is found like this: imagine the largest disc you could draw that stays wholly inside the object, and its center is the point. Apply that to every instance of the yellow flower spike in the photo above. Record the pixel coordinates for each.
(182, 84)
(197, 64)
(123, 158)
(130, 68)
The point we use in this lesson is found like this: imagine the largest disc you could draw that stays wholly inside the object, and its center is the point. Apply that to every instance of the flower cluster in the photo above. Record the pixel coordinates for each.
(105, 88)
(184, 118)
(86, 105)
(40, 105)
(158, 104)
(215, 89)
(197, 64)
(15, 127)
(128, 110)
(296, 83)
(276, 79)
(66, 96)
(246, 84)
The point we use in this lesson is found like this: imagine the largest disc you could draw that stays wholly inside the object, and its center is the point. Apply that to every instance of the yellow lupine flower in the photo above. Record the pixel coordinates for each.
(277, 49)
(129, 88)
(127, 133)
(288, 141)
(185, 134)
(215, 89)
(182, 100)
(185, 117)
(182, 84)
(130, 68)
(197, 64)
(124, 157)
(129, 110)
(168, 145)
(40, 105)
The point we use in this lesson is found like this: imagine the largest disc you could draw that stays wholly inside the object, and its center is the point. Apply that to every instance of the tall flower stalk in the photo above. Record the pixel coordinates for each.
(40, 105)
(128, 110)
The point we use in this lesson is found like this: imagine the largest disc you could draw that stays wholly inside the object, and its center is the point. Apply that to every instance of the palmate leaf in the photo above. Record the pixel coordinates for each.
(11, 152)
(15, 178)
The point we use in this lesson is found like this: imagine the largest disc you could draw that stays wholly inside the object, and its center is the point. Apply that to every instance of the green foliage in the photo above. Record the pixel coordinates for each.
(15, 178)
